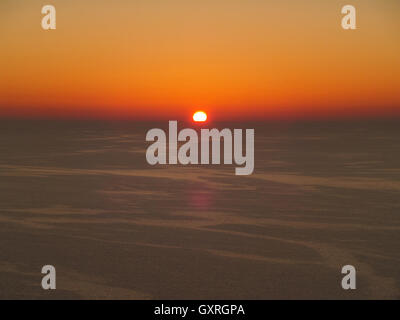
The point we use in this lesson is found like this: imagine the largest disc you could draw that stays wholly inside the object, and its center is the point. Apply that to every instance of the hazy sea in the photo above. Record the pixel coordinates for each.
(80, 195)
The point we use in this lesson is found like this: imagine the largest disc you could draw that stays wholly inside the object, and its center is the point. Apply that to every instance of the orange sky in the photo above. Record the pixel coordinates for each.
(167, 58)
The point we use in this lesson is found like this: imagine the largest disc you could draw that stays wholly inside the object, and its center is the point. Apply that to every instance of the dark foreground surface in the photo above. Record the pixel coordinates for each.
(81, 196)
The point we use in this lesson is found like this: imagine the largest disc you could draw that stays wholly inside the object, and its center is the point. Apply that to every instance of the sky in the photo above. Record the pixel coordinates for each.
(159, 59)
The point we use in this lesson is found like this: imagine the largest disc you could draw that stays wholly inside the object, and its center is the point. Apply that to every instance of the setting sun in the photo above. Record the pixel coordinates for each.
(200, 116)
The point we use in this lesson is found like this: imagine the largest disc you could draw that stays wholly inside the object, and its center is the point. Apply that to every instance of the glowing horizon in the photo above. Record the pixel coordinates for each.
(254, 60)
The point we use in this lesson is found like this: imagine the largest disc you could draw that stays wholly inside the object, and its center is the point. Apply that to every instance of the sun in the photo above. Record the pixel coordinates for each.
(199, 116)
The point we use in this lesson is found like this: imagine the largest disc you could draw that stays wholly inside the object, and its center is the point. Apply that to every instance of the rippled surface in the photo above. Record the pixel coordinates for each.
(80, 196)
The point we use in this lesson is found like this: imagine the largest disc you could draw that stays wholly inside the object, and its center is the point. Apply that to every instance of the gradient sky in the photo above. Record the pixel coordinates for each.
(167, 58)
